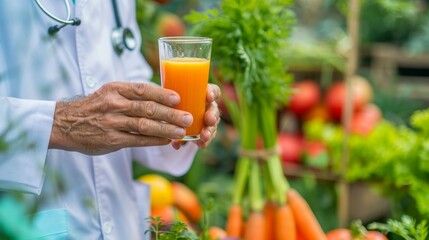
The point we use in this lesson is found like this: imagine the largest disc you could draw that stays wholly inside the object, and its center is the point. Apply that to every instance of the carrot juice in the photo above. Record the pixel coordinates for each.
(189, 78)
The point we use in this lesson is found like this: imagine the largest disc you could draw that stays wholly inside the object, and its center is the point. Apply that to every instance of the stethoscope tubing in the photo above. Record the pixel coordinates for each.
(121, 37)
(67, 21)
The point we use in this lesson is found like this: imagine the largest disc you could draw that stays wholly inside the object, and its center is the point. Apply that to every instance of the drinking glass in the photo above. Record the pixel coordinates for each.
(184, 68)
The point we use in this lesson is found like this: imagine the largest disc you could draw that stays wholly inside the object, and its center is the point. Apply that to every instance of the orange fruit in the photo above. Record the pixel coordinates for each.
(217, 233)
(169, 214)
(161, 190)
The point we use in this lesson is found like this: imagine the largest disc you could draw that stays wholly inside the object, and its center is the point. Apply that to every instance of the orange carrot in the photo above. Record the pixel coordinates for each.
(234, 224)
(305, 220)
(299, 236)
(285, 223)
(269, 214)
(255, 227)
(187, 201)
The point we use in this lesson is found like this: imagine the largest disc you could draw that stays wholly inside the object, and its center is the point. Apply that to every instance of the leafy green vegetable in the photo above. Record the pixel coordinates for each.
(406, 228)
(393, 158)
(247, 36)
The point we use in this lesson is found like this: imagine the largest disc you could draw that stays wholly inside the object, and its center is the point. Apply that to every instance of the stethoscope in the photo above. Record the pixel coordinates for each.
(122, 37)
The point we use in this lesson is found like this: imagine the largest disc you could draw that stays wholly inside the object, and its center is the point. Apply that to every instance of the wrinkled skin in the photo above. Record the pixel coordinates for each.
(121, 115)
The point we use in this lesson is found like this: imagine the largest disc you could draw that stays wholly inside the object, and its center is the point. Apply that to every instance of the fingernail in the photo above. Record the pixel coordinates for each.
(180, 131)
(174, 99)
(187, 119)
(212, 95)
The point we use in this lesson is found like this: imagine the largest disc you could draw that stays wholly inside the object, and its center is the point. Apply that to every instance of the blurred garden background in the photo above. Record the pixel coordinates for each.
(386, 175)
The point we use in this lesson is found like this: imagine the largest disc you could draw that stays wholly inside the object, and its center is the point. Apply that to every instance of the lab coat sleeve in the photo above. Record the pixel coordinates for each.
(25, 128)
(163, 158)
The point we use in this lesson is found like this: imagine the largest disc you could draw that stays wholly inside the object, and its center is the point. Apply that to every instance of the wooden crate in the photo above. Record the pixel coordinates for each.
(400, 72)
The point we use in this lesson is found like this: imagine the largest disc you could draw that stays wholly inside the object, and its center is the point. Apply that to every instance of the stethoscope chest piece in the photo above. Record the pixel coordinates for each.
(123, 38)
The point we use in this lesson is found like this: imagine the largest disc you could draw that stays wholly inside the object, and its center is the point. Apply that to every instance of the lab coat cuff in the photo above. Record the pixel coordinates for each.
(23, 166)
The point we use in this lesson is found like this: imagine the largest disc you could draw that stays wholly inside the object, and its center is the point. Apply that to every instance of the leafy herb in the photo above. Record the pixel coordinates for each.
(177, 230)
(247, 36)
(208, 208)
(406, 228)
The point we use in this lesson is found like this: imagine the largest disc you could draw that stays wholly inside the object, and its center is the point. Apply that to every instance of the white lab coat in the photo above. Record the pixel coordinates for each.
(79, 196)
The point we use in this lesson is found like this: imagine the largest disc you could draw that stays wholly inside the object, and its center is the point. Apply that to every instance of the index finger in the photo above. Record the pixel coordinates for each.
(148, 92)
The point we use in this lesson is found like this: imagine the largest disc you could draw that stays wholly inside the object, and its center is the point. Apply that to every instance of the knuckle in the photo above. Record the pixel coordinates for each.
(141, 88)
(108, 87)
(111, 103)
(143, 126)
(135, 107)
(114, 140)
(150, 108)
(106, 104)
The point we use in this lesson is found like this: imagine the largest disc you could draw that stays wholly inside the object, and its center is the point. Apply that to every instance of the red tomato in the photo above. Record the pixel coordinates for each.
(170, 25)
(345, 234)
(364, 121)
(290, 148)
(316, 154)
(336, 95)
(306, 97)
(339, 234)
(314, 148)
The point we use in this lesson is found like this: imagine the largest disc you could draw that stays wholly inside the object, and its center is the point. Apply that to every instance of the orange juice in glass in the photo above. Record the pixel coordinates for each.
(185, 65)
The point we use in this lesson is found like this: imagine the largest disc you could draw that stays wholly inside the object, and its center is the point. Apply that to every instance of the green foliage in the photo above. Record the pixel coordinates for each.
(208, 208)
(395, 159)
(420, 121)
(147, 13)
(177, 231)
(407, 228)
(216, 197)
(246, 38)
(404, 22)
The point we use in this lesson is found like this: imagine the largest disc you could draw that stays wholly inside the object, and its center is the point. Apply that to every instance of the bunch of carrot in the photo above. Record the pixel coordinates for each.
(247, 36)
(282, 214)
(292, 221)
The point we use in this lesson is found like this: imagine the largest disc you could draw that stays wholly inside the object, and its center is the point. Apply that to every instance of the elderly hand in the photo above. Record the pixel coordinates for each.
(120, 115)
(211, 119)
